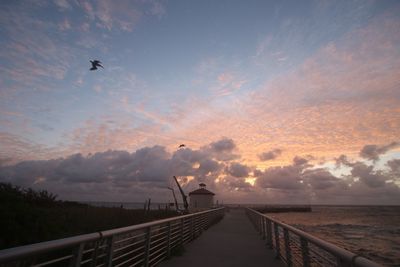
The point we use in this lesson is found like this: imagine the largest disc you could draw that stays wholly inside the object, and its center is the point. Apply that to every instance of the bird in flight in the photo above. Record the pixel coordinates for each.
(95, 64)
(183, 145)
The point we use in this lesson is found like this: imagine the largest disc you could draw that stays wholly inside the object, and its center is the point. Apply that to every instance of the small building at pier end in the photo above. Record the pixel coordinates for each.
(201, 199)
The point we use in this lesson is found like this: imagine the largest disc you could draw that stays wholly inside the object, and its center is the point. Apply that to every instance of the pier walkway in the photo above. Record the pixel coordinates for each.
(231, 242)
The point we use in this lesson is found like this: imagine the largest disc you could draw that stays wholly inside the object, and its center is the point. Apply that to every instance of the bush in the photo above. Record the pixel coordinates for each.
(28, 216)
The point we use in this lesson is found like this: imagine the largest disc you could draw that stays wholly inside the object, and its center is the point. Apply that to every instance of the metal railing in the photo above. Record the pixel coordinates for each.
(298, 248)
(144, 244)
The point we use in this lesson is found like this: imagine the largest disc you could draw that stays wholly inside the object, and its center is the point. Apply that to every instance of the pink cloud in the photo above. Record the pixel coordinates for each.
(65, 25)
(157, 9)
(123, 14)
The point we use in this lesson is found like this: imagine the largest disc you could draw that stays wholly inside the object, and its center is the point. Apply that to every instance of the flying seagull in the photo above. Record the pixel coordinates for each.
(95, 64)
(183, 145)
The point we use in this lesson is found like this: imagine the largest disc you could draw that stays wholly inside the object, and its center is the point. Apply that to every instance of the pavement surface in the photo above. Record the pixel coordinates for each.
(232, 242)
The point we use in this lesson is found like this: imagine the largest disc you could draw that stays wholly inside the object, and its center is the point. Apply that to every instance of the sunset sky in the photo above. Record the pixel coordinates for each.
(276, 101)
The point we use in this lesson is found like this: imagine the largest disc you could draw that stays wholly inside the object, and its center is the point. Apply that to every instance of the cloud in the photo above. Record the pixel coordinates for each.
(64, 25)
(225, 145)
(236, 184)
(394, 165)
(304, 183)
(342, 160)
(285, 178)
(122, 15)
(367, 175)
(147, 168)
(344, 79)
(300, 161)
(320, 179)
(372, 152)
(227, 83)
(15, 148)
(223, 149)
(36, 54)
(238, 170)
(118, 175)
(63, 4)
(157, 9)
(270, 155)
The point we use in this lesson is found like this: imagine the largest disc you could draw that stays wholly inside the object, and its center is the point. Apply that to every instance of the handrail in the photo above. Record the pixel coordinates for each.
(27, 250)
(115, 246)
(294, 240)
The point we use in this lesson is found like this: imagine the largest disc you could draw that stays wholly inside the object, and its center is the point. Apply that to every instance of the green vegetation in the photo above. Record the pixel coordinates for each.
(28, 216)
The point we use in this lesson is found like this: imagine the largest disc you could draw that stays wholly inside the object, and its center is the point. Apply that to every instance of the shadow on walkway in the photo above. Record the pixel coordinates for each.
(232, 242)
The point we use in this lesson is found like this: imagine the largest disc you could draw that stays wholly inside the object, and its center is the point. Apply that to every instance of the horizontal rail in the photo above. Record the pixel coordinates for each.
(141, 243)
(298, 248)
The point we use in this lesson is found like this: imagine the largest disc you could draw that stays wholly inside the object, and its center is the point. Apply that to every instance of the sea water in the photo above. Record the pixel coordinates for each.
(370, 231)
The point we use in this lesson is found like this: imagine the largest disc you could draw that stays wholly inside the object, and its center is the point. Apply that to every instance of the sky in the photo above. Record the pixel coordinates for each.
(277, 102)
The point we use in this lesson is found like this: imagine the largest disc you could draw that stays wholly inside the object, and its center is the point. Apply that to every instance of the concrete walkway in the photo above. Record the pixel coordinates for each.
(232, 242)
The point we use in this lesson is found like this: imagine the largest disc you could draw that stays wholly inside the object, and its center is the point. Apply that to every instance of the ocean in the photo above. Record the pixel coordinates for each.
(370, 231)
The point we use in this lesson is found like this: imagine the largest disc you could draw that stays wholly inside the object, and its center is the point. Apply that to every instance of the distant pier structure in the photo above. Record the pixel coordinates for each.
(201, 199)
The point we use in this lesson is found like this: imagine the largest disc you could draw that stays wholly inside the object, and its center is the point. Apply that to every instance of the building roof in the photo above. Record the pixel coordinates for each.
(201, 191)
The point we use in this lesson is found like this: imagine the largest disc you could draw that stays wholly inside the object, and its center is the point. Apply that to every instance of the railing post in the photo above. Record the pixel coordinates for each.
(201, 223)
(277, 246)
(340, 262)
(110, 246)
(192, 227)
(147, 247)
(97, 246)
(263, 227)
(287, 247)
(182, 228)
(269, 234)
(305, 252)
(169, 240)
(76, 259)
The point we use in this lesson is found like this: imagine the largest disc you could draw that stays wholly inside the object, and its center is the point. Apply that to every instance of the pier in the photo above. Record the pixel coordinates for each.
(232, 242)
(216, 237)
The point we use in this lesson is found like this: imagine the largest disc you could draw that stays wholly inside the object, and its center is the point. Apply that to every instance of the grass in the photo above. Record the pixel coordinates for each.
(28, 216)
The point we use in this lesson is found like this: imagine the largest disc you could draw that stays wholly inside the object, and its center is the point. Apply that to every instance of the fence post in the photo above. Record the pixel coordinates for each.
(305, 252)
(277, 245)
(76, 259)
(287, 247)
(147, 247)
(169, 240)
